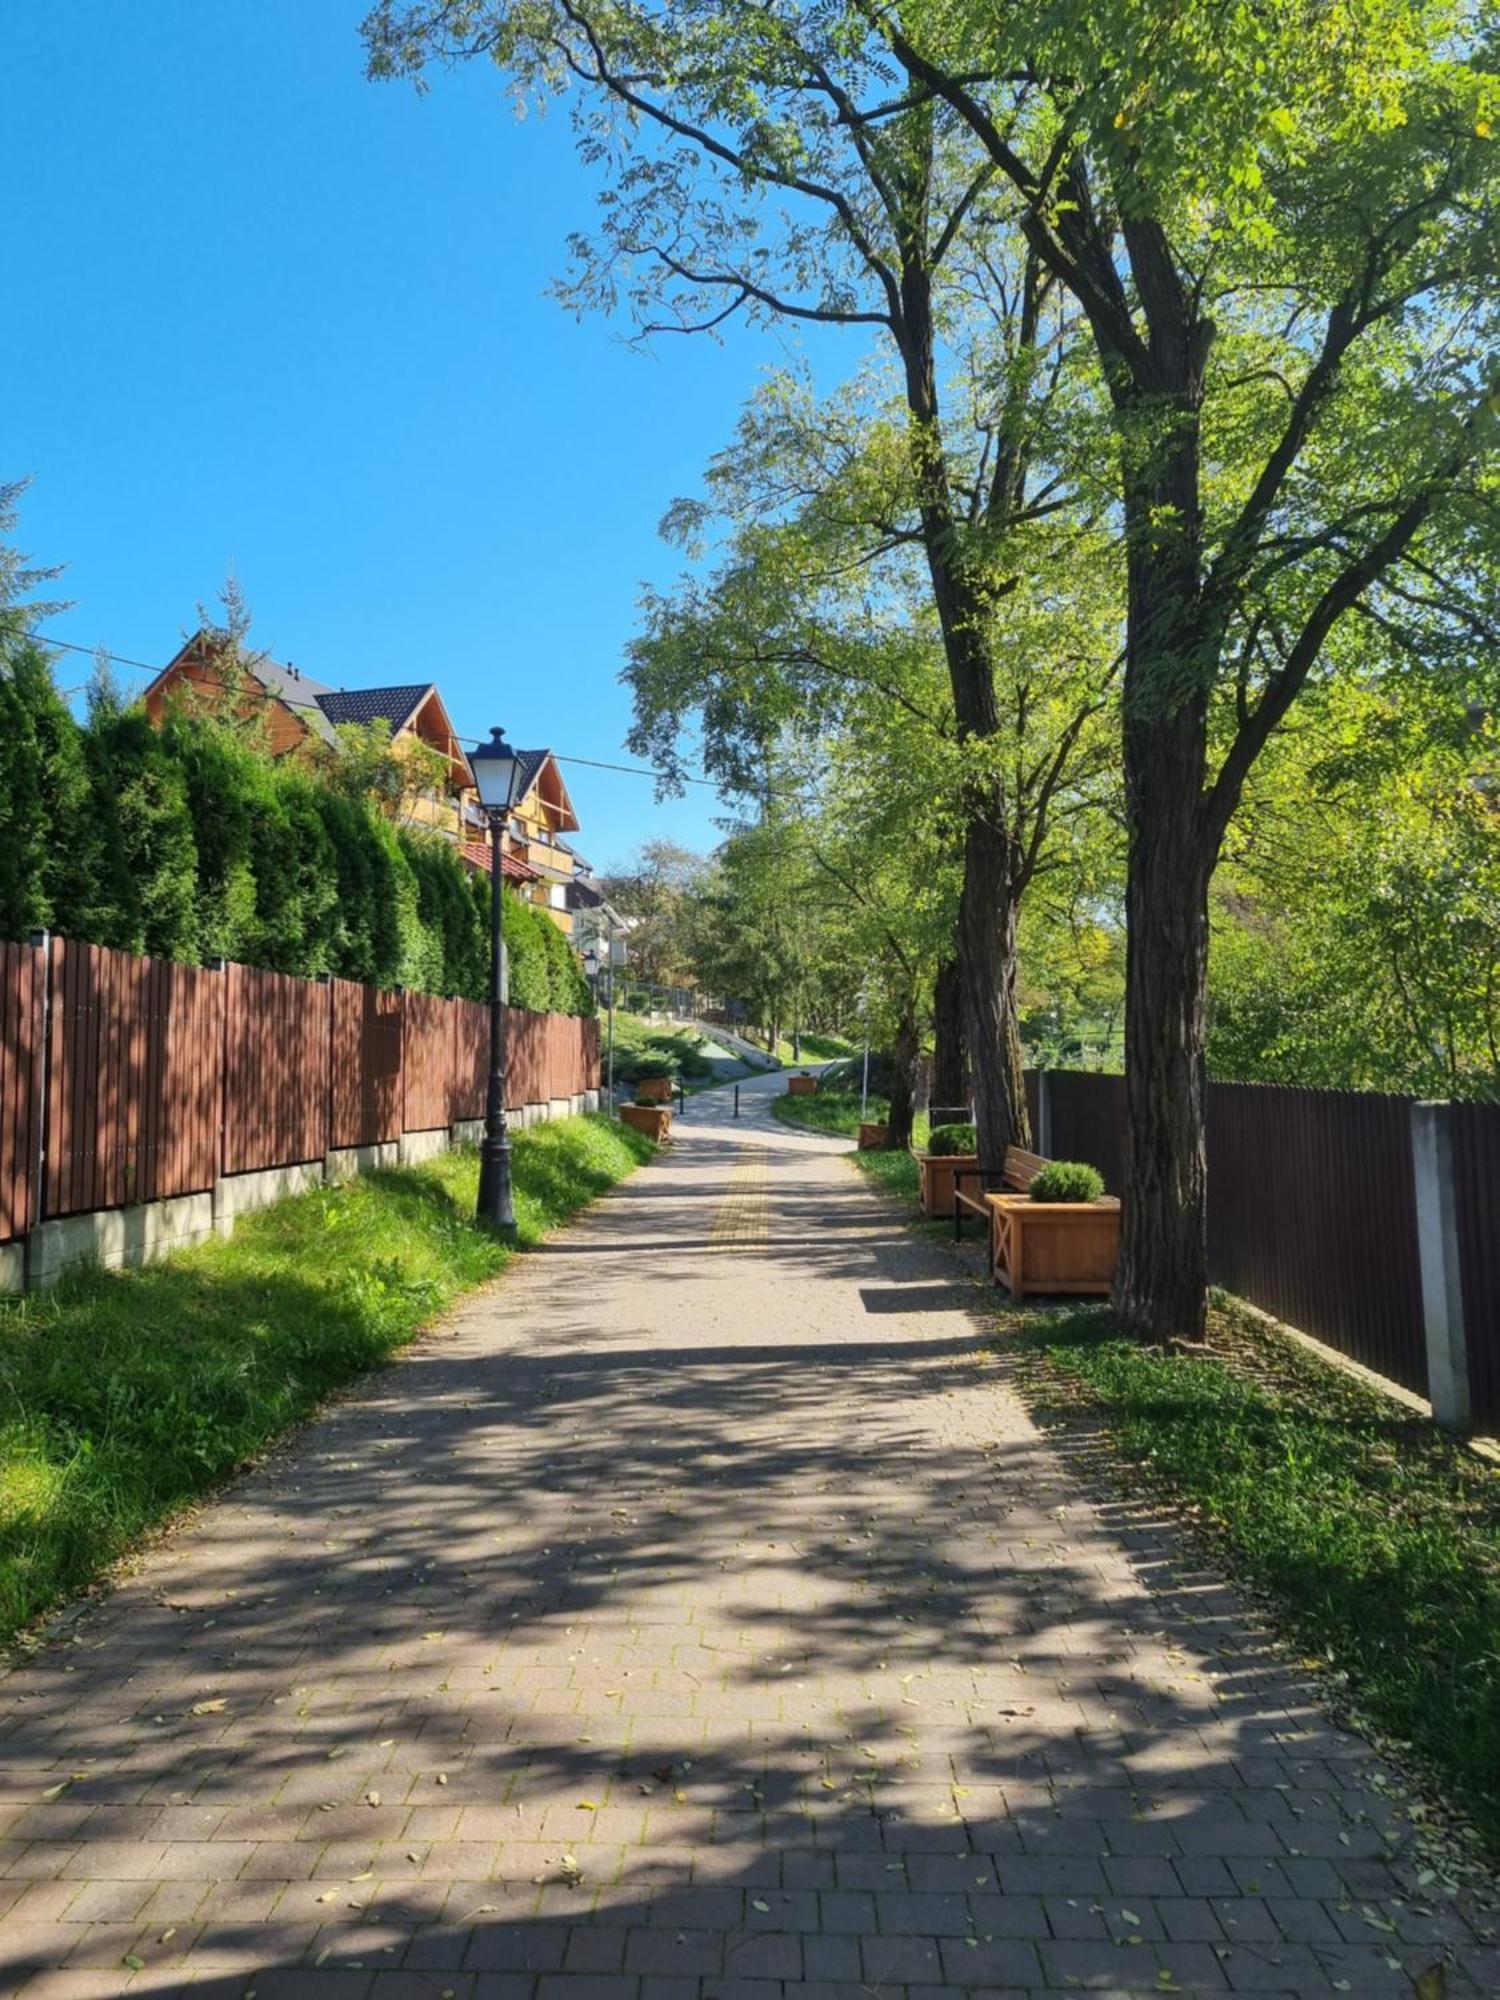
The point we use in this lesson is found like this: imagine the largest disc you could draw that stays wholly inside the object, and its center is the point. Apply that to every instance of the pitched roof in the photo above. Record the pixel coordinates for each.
(477, 854)
(532, 764)
(394, 705)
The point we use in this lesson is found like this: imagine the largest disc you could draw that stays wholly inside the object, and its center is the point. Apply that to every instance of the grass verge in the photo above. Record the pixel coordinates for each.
(837, 1113)
(1373, 1540)
(832, 1111)
(124, 1395)
(816, 1048)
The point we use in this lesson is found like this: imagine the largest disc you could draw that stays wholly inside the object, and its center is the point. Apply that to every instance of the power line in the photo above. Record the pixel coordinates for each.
(269, 694)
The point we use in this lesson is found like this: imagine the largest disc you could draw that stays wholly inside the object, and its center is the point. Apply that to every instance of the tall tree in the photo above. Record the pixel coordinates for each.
(817, 622)
(768, 164)
(655, 891)
(1280, 226)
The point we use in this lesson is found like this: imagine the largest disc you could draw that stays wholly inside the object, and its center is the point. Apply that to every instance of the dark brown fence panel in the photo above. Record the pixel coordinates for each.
(133, 1090)
(276, 1069)
(366, 1065)
(471, 1059)
(526, 1058)
(1088, 1121)
(1312, 1217)
(23, 973)
(588, 1045)
(428, 1062)
(1476, 1191)
(1032, 1085)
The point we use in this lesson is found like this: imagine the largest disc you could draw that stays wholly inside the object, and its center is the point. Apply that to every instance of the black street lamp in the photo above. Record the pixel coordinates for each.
(496, 769)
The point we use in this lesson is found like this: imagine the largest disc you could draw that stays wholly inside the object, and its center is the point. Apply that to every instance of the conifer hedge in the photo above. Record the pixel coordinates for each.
(190, 842)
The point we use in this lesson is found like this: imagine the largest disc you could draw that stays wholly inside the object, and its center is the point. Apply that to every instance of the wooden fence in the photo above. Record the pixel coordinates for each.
(1312, 1213)
(126, 1079)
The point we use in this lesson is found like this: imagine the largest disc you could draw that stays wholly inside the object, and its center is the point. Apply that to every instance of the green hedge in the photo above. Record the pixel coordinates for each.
(189, 842)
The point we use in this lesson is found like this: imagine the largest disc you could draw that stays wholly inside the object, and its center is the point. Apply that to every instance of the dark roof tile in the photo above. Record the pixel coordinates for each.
(387, 704)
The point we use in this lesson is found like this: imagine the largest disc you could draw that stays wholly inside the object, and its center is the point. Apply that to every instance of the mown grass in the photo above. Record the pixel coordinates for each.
(837, 1113)
(815, 1048)
(832, 1111)
(1373, 1539)
(124, 1395)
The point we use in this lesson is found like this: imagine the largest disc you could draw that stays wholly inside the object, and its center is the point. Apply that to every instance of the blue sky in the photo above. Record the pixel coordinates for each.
(262, 315)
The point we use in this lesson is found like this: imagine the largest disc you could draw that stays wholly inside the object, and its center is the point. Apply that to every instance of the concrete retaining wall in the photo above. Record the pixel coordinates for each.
(351, 1160)
(121, 1237)
(118, 1236)
(242, 1194)
(419, 1146)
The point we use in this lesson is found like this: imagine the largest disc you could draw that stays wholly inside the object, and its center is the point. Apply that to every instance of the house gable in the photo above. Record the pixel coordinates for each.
(286, 698)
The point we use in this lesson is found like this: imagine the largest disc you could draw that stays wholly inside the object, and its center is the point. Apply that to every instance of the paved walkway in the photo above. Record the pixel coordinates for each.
(698, 1616)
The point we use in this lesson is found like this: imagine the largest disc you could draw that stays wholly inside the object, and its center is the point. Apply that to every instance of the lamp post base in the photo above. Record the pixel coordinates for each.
(496, 1206)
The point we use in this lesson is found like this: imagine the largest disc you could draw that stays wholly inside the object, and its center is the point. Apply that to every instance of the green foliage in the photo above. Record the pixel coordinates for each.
(647, 1069)
(190, 842)
(1374, 1540)
(448, 948)
(126, 1395)
(897, 1173)
(833, 1111)
(45, 831)
(1068, 1180)
(1358, 947)
(948, 1140)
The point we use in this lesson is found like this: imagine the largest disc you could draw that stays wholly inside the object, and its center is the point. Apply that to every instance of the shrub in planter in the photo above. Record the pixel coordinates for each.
(652, 1068)
(1068, 1180)
(950, 1149)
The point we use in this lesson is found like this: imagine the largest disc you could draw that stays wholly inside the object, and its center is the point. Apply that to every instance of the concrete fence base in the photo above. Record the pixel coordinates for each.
(348, 1161)
(119, 1238)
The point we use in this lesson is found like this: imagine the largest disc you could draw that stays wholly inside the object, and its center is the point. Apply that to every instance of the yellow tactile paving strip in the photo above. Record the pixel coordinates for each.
(742, 1221)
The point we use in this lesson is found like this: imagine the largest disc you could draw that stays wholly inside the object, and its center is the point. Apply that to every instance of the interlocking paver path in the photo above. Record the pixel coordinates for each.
(698, 1615)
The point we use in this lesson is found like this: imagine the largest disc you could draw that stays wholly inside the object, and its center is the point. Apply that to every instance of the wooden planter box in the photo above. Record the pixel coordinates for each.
(802, 1086)
(658, 1088)
(655, 1120)
(937, 1170)
(872, 1138)
(1054, 1246)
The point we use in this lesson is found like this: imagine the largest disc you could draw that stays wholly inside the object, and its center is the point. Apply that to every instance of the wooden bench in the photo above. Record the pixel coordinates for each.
(1018, 1171)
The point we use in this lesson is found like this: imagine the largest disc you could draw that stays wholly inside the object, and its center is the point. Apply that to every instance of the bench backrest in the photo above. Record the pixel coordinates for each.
(1022, 1168)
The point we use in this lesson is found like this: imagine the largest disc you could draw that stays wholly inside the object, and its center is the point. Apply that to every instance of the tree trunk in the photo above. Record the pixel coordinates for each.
(1161, 1285)
(987, 913)
(1162, 1282)
(950, 1049)
(906, 1050)
(992, 882)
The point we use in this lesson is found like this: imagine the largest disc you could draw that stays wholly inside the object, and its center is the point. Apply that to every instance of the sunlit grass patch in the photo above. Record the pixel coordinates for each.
(125, 1394)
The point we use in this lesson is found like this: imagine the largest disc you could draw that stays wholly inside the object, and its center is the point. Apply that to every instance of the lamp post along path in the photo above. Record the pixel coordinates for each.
(496, 768)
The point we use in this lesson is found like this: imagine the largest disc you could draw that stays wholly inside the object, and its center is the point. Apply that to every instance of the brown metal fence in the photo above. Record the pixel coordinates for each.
(366, 1082)
(1312, 1217)
(1475, 1130)
(277, 1051)
(427, 1063)
(127, 1079)
(22, 988)
(1087, 1121)
(133, 1085)
(1311, 1206)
